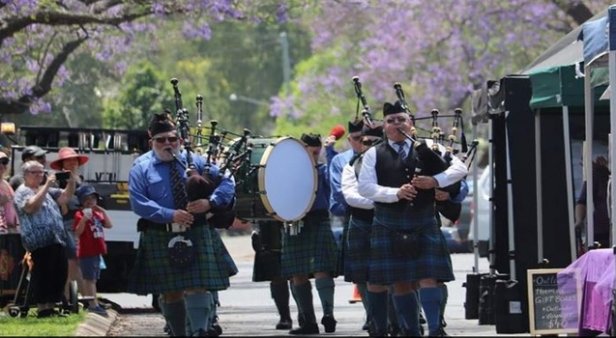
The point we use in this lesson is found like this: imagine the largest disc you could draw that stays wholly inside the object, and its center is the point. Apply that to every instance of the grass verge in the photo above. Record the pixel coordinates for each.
(43, 327)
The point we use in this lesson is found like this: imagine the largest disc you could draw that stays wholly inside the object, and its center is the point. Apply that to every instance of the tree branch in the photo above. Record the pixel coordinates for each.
(16, 24)
(21, 105)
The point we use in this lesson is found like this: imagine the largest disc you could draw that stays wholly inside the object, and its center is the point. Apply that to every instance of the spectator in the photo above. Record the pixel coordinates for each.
(69, 161)
(89, 223)
(8, 215)
(29, 153)
(601, 175)
(42, 233)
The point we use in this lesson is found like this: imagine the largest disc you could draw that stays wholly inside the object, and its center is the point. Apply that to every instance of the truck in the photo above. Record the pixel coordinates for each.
(111, 153)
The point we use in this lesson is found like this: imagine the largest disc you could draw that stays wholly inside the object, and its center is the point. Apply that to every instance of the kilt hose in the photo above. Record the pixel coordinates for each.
(434, 260)
(312, 250)
(357, 258)
(153, 272)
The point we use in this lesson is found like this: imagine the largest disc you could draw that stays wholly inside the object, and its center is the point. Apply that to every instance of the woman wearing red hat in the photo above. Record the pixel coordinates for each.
(69, 161)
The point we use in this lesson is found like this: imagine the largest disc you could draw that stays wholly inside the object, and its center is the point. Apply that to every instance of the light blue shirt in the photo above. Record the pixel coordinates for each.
(149, 187)
(337, 205)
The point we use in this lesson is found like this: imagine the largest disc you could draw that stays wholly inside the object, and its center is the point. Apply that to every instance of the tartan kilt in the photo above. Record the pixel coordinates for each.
(434, 260)
(358, 250)
(153, 273)
(343, 264)
(223, 256)
(312, 250)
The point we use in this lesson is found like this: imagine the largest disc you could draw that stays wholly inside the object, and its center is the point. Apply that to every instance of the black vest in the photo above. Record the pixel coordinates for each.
(391, 171)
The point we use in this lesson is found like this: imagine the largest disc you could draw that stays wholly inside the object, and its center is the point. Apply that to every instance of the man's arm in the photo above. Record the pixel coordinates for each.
(141, 204)
(367, 181)
(337, 204)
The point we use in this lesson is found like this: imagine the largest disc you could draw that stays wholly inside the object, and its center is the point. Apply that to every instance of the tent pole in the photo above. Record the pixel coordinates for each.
(569, 176)
(492, 238)
(612, 81)
(589, 120)
(475, 224)
(510, 225)
(538, 192)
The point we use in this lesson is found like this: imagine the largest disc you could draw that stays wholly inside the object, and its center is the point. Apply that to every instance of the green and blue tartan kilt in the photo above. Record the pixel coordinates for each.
(343, 265)
(153, 273)
(224, 257)
(358, 250)
(434, 260)
(312, 250)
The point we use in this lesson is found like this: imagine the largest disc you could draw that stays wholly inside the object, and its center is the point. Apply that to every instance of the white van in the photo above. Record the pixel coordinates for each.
(483, 191)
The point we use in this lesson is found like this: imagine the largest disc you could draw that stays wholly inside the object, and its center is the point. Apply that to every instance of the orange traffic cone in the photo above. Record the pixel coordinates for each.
(356, 297)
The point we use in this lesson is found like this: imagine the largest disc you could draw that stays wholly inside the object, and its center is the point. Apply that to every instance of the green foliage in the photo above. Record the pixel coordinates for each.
(141, 94)
(43, 327)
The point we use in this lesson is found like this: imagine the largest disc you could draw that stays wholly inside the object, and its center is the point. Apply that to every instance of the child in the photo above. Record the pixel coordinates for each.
(88, 224)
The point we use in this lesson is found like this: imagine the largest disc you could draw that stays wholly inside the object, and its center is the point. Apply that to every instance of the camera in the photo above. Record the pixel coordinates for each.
(63, 175)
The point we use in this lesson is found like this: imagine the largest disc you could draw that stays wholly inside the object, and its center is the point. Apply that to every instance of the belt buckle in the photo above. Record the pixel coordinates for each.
(176, 227)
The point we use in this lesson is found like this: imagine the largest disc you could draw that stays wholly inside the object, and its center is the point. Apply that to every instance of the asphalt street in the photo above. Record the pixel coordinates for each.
(247, 309)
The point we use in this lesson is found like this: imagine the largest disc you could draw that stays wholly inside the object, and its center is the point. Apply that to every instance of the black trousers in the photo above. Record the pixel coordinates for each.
(48, 274)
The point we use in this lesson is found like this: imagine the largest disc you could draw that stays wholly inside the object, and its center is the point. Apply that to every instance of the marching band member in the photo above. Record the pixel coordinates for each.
(385, 178)
(313, 252)
(177, 255)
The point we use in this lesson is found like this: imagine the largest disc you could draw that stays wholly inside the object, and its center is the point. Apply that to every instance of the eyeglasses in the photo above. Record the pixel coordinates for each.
(36, 172)
(399, 119)
(4, 161)
(162, 139)
(369, 142)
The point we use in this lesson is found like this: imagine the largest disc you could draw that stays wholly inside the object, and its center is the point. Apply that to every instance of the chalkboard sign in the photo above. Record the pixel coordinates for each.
(546, 303)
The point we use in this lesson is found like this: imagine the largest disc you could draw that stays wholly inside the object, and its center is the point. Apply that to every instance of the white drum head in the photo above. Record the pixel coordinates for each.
(287, 179)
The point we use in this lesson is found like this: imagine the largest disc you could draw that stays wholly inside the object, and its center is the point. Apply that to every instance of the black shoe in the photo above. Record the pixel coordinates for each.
(329, 323)
(211, 332)
(200, 333)
(217, 328)
(306, 329)
(366, 326)
(284, 324)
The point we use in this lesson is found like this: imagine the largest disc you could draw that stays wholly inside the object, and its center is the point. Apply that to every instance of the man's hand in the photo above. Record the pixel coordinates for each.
(330, 140)
(198, 206)
(407, 192)
(424, 182)
(441, 195)
(183, 217)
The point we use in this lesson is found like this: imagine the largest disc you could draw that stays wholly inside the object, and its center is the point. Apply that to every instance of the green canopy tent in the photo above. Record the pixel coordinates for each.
(558, 93)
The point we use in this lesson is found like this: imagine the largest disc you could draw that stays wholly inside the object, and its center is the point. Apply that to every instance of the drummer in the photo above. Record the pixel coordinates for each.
(312, 252)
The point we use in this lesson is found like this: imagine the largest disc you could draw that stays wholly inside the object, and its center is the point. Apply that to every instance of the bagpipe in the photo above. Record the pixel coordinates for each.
(430, 159)
(227, 159)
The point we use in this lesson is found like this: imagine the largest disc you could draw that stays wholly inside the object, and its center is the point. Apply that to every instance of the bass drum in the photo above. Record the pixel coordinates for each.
(278, 183)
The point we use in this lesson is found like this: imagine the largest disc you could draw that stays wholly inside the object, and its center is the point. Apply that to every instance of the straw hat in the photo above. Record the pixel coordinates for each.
(66, 153)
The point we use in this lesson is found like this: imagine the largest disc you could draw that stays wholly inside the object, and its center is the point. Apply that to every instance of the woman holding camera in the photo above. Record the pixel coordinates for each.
(67, 164)
(42, 234)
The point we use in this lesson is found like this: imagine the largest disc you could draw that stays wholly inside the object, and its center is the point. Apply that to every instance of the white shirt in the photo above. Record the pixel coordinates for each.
(367, 181)
(350, 192)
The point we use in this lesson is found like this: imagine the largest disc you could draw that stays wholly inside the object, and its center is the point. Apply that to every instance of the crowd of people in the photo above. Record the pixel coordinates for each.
(60, 226)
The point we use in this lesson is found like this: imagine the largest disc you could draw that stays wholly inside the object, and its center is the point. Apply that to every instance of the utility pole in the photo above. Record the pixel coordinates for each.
(286, 61)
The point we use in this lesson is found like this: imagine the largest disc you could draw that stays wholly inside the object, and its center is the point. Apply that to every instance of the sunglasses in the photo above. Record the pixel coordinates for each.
(368, 142)
(170, 139)
(4, 161)
(400, 119)
(355, 138)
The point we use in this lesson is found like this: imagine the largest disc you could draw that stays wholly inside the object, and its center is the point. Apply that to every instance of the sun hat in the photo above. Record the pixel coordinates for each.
(66, 153)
